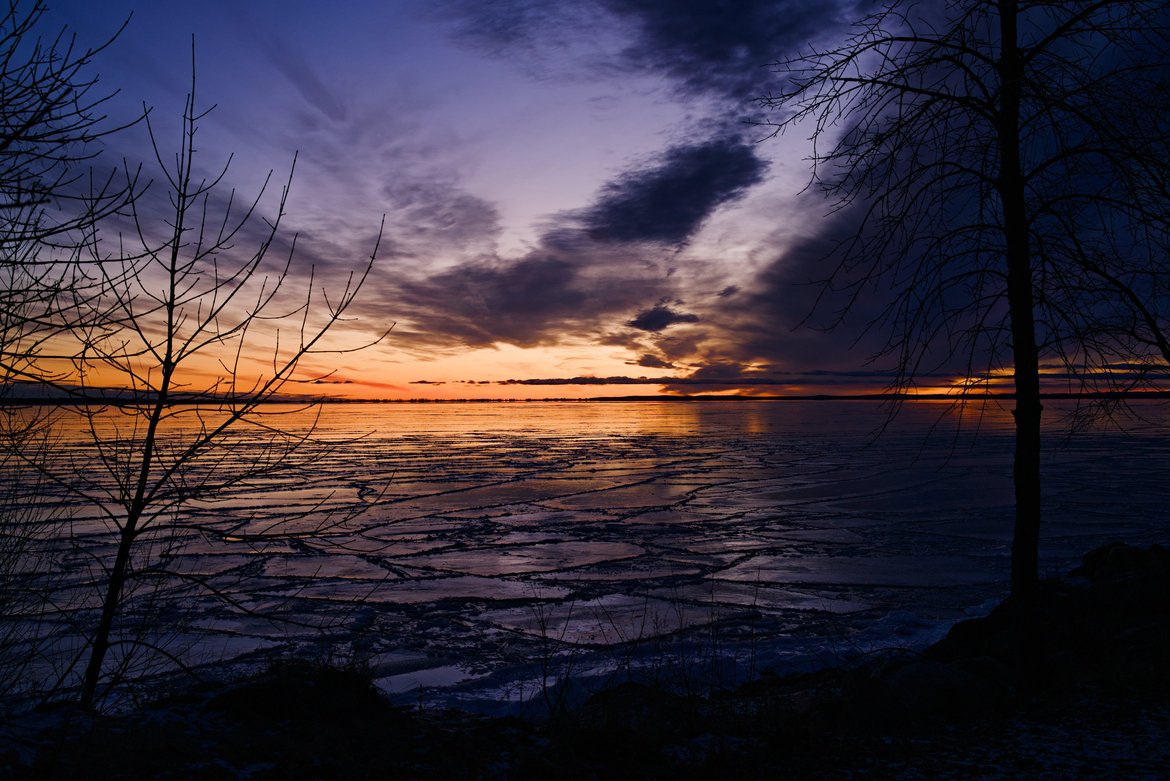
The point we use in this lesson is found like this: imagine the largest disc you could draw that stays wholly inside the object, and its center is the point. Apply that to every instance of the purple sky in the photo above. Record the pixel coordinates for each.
(573, 190)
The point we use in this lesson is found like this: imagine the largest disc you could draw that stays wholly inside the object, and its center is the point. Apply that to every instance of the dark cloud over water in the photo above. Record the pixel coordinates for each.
(722, 47)
(669, 201)
(593, 269)
(718, 48)
(604, 272)
(659, 317)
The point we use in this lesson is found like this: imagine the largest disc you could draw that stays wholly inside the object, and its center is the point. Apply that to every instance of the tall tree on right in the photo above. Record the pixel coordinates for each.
(1005, 170)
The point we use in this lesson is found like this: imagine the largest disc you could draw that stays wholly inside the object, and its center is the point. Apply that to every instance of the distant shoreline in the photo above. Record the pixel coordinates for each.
(29, 401)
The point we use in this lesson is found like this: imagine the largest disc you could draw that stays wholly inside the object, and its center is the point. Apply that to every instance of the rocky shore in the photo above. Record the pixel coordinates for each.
(1074, 683)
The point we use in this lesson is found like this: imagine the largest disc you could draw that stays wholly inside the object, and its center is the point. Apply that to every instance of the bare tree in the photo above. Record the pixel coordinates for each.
(51, 127)
(169, 356)
(1005, 164)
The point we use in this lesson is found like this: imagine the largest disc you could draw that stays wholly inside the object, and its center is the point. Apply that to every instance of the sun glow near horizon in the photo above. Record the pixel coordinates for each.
(559, 211)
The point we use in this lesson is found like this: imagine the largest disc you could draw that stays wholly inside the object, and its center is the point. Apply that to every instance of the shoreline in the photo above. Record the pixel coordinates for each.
(973, 398)
(1076, 682)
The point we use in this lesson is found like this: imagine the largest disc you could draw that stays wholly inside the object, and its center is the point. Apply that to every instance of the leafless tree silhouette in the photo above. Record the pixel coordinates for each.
(1006, 165)
(51, 126)
(166, 347)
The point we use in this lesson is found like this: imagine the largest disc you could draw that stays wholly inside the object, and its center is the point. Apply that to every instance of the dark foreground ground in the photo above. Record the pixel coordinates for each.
(1075, 684)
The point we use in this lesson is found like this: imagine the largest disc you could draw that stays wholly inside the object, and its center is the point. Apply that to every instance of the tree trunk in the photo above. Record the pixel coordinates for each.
(119, 572)
(1025, 354)
(101, 639)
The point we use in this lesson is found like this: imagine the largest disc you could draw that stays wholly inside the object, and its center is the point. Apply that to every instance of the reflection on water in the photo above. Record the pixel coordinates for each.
(667, 418)
(492, 532)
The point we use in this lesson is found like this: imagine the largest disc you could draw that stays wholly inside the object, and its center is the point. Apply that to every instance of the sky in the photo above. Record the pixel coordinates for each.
(579, 197)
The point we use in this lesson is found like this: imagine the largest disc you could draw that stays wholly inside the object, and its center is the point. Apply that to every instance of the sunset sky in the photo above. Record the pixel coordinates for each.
(574, 191)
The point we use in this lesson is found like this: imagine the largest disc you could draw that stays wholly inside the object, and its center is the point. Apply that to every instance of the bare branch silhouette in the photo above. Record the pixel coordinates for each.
(51, 198)
(165, 354)
(1005, 163)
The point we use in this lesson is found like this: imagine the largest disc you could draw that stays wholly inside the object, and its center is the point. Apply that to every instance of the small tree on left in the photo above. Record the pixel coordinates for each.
(200, 323)
(51, 198)
(169, 316)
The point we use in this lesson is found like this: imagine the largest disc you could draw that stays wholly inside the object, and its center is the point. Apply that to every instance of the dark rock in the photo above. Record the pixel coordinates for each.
(297, 690)
(1119, 561)
(1111, 626)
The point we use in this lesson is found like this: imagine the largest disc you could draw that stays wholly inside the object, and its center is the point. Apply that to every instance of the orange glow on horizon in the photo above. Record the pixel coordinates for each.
(509, 372)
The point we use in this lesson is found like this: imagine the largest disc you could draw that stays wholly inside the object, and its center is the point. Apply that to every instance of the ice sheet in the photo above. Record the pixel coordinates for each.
(493, 536)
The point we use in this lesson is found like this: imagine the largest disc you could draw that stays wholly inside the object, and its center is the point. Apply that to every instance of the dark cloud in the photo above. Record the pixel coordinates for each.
(653, 362)
(723, 46)
(669, 201)
(810, 311)
(730, 375)
(533, 33)
(599, 263)
(438, 214)
(719, 48)
(481, 304)
(724, 374)
(590, 266)
(773, 319)
(659, 317)
(751, 379)
(619, 380)
(573, 287)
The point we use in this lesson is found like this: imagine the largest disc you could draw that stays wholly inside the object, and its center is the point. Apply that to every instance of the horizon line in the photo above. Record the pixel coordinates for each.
(312, 400)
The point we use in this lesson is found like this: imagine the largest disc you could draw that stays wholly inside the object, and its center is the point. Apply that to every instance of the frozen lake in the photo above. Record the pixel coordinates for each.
(503, 546)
